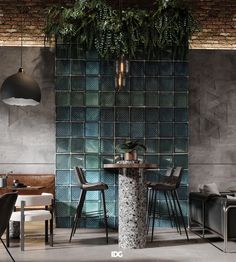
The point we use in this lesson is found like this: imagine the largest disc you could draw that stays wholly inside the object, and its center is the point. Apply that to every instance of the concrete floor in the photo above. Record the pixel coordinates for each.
(89, 245)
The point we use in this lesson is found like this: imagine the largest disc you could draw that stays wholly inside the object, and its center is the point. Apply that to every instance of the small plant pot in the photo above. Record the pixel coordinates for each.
(131, 156)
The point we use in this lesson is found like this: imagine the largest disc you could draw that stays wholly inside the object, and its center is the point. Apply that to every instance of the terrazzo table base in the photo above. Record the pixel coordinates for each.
(132, 208)
(132, 204)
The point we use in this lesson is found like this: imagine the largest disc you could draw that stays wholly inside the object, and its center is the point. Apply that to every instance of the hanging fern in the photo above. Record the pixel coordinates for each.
(95, 24)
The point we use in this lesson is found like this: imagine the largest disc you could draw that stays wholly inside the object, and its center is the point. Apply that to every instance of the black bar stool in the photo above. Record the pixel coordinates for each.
(85, 186)
(169, 187)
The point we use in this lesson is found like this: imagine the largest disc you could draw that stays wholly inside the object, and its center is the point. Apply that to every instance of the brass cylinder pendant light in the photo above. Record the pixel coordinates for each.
(20, 89)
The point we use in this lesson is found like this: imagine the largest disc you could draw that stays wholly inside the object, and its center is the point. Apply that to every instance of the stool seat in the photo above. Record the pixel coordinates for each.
(94, 186)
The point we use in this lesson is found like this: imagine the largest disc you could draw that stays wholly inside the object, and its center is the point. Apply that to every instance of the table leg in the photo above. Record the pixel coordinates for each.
(132, 208)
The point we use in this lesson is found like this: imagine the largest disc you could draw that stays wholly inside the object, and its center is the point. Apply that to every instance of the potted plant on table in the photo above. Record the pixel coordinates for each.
(129, 149)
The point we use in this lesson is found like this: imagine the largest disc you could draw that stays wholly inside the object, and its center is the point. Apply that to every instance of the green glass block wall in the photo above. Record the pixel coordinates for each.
(92, 118)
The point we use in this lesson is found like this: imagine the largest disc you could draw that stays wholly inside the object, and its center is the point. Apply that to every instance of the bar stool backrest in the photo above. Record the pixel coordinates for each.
(81, 177)
(169, 172)
(177, 176)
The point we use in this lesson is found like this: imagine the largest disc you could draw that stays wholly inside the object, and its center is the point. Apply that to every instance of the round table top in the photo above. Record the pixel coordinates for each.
(132, 165)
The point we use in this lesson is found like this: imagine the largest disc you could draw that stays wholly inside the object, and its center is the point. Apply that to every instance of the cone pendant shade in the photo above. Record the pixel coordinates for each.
(20, 90)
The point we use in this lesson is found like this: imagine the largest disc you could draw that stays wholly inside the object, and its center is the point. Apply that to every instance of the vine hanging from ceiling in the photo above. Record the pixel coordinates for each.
(169, 25)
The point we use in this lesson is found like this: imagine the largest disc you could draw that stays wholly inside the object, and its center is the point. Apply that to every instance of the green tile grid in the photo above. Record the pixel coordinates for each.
(92, 117)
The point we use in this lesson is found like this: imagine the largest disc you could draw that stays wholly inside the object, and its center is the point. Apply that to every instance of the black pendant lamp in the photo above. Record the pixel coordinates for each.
(20, 89)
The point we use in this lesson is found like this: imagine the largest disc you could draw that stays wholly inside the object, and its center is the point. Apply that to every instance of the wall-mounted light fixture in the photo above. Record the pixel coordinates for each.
(20, 89)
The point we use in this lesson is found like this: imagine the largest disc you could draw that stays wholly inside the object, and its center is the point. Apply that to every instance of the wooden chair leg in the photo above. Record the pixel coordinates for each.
(46, 231)
(51, 232)
(7, 235)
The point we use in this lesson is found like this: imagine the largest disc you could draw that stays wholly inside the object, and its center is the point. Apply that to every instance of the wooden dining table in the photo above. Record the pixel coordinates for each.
(132, 203)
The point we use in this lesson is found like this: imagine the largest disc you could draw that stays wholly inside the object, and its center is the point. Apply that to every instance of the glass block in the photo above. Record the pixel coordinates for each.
(92, 161)
(92, 68)
(92, 129)
(75, 193)
(77, 67)
(185, 175)
(181, 160)
(166, 129)
(181, 100)
(137, 83)
(62, 51)
(107, 114)
(92, 146)
(77, 129)
(62, 161)
(93, 176)
(166, 114)
(63, 222)
(108, 67)
(92, 195)
(111, 209)
(166, 146)
(74, 177)
(63, 193)
(62, 67)
(62, 145)
(92, 54)
(137, 68)
(77, 160)
(62, 113)
(151, 130)
(107, 130)
(92, 99)
(181, 130)
(137, 130)
(77, 145)
(111, 193)
(107, 146)
(152, 83)
(181, 68)
(152, 145)
(151, 114)
(181, 145)
(108, 159)
(62, 98)
(181, 115)
(166, 100)
(62, 83)
(77, 113)
(92, 114)
(107, 83)
(183, 192)
(90, 207)
(122, 99)
(122, 114)
(77, 83)
(77, 98)
(92, 83)
(137, 114)
(137, 98)
(152, 99)
(62, 177)
(166, 161)
(181, 83)
(63, 129)
(166, 83)
(107, 99)
(62, 209)
(76, 52)
(122, 129)
(151, 69)
(153, 159)
(108, 177)
(166, 68)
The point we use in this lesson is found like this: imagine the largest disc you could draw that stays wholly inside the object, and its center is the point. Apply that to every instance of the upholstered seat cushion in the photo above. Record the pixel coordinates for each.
(32, 215)
(95, 186)
(162, 186)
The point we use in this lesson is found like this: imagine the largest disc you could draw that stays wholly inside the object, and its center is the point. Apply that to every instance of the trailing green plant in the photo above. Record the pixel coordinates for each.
(129, 146)
(112, 32)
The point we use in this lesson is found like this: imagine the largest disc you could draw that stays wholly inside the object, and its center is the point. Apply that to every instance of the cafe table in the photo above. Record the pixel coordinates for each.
(132, 203)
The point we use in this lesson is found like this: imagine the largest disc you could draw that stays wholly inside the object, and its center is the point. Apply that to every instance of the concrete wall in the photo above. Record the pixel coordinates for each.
(212, 148)
(27, 134)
